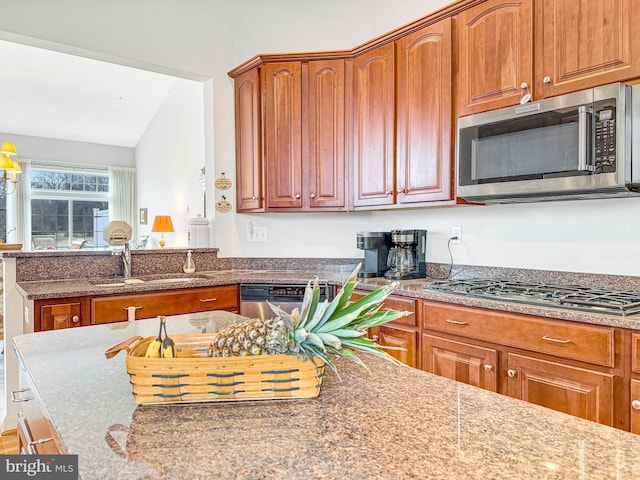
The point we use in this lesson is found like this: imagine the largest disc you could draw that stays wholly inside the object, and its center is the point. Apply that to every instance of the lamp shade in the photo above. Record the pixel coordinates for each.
(15, 167)
(162, 223)
(8, 148)
(6, 163)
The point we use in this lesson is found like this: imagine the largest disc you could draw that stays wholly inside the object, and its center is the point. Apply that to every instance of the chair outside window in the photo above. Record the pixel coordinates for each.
(43, 242)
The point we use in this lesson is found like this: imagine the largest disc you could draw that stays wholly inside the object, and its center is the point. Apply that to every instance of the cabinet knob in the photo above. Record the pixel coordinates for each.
(546, 79)
(488, 367)
(375, 338)
(401, 191)
(389, 193)
(526, 94)
(75, 319)
(511, 373)
(297, 196)
(312, 195)
(635, 404)
(254, 197)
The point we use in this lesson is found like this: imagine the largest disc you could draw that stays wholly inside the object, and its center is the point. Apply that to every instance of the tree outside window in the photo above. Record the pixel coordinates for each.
(71, 206)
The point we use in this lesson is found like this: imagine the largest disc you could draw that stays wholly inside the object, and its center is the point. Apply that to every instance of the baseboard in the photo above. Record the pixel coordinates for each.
(9, 422)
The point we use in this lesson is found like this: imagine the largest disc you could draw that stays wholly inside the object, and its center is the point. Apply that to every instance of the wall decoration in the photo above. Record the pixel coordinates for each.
(222, 182)
(223, 206)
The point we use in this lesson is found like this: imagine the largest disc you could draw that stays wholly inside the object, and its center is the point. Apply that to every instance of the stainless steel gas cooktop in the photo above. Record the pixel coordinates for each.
(575, 297)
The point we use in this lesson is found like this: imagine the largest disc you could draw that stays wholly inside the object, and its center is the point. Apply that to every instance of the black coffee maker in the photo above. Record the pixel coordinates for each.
(408, 255)
(376, 252)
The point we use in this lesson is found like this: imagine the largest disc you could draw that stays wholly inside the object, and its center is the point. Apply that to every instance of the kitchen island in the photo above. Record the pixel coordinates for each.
(386, 423)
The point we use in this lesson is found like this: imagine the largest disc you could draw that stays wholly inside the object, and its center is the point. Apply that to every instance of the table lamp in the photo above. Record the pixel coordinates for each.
(162, 223)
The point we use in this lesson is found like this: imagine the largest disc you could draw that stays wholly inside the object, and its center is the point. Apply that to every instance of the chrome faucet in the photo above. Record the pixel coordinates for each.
(126, 259)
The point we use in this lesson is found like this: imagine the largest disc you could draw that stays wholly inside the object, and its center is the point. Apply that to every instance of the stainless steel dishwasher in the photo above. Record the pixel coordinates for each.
(254, 297)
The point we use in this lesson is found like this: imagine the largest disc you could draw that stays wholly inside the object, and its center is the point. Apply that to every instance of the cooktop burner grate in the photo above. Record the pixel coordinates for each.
(561, 296)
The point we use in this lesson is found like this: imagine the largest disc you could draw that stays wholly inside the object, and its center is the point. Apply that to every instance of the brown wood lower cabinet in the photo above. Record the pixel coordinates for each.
(461, 361)
(173, 302)
(577, 391)
(51, 314)
(63, 313)
(635, 405)
(570, 367)
(402, 333)
(404, 339)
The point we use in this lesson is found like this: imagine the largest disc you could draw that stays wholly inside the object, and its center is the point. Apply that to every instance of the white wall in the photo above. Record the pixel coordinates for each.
(203, 38)
(169, 158)
(67, 151)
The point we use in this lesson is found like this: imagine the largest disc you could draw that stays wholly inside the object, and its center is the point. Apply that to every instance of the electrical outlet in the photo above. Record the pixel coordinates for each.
(456, 232)
(257, 234)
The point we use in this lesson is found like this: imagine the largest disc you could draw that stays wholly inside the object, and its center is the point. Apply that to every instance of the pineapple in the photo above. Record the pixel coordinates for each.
(325, 330)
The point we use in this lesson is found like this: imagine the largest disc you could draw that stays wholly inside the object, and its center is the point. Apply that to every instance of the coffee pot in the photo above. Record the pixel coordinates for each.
(407, 256)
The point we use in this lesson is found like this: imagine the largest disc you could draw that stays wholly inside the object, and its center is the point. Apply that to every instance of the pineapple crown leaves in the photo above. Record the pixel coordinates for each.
(337, 328)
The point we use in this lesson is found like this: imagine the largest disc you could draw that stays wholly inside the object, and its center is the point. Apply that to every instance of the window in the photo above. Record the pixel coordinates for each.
(69, 205)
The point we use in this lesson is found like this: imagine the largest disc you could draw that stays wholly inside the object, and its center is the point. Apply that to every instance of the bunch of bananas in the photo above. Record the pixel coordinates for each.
(162, 347)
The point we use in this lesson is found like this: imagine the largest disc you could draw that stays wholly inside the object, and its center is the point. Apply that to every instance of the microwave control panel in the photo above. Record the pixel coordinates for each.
(605, 140)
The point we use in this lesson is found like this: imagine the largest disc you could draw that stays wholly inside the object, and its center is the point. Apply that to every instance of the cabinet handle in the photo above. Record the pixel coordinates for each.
(127, 308)
(555, 340)
(526, 95)
(205, 300)
(75, 319)
(511, 373)
(488, 367)
(546, 79)
(455, 322)
(312, 195)
(15, 393)
(635, 404)
(31, 450)
(375, 338)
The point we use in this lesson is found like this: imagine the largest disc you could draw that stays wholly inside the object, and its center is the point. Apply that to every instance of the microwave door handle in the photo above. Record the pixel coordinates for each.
(584, 142)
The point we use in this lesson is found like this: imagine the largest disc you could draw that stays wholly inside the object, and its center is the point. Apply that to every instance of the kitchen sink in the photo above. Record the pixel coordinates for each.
(118, 282)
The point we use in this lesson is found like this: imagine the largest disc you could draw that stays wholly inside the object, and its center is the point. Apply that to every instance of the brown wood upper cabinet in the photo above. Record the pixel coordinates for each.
(509, 48)
(582, 44)
(249, 167)
(290, 124)
(408, 80)
(495, 54)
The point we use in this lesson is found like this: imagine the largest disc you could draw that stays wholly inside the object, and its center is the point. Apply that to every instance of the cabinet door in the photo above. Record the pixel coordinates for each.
(495, 54)
(424, 159)
(463, 362)
(577, 391)
(584, 43)
(635, 406)
(249, 174)
(325, 184)
(406, 340)
(373, 127)
(282, 108)
(53, 316)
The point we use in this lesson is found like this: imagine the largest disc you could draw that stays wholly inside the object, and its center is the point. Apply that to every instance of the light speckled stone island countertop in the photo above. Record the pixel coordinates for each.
(390, 422)
(34, 290)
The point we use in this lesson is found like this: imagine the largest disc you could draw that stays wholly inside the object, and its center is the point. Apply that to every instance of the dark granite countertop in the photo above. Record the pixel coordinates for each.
(36, 290)
(390, 422)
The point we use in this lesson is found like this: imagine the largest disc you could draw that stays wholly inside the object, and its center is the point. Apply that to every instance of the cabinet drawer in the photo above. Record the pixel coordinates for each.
(114, 309)
(396, 302)
(635, 352)
(555, 337)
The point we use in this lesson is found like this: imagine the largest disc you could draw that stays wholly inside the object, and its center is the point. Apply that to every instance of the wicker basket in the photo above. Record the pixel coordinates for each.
(195, 377)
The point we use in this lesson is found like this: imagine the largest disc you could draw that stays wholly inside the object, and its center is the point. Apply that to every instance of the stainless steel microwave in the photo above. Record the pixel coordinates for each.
(571, 146)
